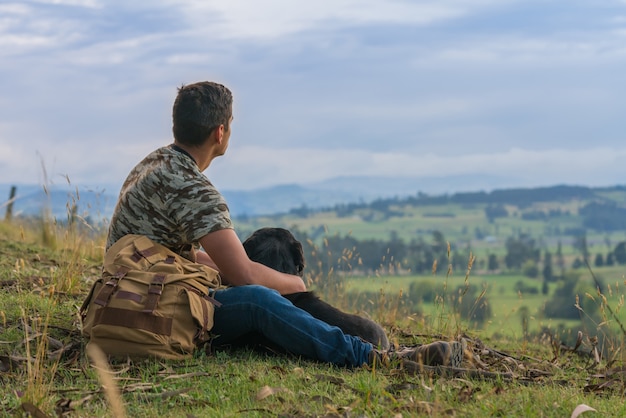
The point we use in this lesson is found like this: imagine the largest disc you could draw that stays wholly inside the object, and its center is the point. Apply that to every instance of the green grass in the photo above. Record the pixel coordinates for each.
(247, 383)
(506, 303)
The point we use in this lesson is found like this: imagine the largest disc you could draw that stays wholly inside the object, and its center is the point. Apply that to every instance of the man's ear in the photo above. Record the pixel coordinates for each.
(220, 133)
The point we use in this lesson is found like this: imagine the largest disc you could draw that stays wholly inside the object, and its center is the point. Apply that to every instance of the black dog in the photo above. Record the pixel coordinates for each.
(278, 248)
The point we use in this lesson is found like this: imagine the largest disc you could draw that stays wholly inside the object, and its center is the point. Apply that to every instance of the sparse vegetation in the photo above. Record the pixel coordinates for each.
(520, 362)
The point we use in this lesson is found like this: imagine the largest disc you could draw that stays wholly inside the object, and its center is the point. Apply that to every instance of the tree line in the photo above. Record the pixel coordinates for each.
(418, 256)
(599, 213)
(521, 197)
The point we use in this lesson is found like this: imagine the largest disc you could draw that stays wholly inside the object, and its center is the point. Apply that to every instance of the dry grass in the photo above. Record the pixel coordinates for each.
(501, 378)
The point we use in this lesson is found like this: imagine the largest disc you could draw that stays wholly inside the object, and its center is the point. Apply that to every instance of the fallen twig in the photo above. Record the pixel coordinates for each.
(413, 367)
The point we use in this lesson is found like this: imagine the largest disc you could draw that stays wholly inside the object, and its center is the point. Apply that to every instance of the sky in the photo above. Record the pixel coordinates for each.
(532, 90)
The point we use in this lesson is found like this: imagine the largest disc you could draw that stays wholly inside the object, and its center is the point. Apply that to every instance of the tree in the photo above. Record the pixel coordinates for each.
(460, 260)
(547, 267)
(619, 253)
(562, 303)
(419, 256)
(610, 260)
(495, 211)
(422, 291)
(439, 247)
(519, 250)
(492, 263)
(603, 216)
(560, 260)
(578, 263)
(599, 261)
(471, 304)
(530, 269)
(580, 244)
(523, 288)
(524, 314)
(396, 248)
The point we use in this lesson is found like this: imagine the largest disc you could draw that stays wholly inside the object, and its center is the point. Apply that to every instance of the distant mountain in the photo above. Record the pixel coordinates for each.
(99, 203)
(371, 188)
(33, 200)
(361, 189)
(283, 198)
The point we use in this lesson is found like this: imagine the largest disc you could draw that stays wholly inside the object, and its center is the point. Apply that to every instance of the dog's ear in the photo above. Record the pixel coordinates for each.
(298, 256)
(294, 249)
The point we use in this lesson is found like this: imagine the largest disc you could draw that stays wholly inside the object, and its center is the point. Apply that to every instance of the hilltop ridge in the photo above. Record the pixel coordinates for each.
(99, 202)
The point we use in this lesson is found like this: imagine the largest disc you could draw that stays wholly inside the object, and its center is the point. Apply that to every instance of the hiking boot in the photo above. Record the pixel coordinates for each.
(438, 353)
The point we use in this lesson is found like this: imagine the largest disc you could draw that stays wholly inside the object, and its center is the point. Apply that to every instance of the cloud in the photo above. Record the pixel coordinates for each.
(89, 163)
(529, 51)
(33, 27)
(253, 167)
(80, 3)
(278, 18)
(338, 88)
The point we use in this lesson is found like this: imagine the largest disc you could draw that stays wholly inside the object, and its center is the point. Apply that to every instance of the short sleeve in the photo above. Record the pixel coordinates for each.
(199, 209)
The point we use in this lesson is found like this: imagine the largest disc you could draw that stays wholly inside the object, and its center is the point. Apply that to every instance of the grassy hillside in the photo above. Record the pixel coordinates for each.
(557, 222)
(461, 225)
(45, 272)
(552, 216)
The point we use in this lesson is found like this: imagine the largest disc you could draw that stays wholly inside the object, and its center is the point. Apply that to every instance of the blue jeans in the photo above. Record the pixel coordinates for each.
(253, 308)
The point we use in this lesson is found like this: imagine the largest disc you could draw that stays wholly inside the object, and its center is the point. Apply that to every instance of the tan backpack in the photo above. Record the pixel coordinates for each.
(149, 302)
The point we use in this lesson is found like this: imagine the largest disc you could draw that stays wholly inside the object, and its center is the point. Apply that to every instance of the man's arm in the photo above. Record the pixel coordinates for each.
(203, 258)
(236, 269)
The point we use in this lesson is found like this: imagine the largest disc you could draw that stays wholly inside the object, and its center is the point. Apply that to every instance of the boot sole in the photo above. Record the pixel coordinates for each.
(457, 352)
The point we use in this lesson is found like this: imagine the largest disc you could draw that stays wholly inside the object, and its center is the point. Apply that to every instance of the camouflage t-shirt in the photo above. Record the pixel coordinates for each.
(168, 199)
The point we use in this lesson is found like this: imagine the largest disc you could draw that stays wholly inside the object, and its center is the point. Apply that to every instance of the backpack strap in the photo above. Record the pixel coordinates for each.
(201, 335)
(146, 248)
(133, 319)
(146, 253)
(155, 289)
(105, 293)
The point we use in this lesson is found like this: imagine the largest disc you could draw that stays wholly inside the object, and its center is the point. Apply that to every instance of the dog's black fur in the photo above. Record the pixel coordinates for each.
(278, 248)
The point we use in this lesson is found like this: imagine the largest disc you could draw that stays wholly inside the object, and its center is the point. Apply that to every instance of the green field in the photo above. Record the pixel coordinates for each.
(467, 230)
(510, 368)
(508, 306)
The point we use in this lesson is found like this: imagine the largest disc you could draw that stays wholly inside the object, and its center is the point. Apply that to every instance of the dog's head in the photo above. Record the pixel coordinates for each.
(276, 248)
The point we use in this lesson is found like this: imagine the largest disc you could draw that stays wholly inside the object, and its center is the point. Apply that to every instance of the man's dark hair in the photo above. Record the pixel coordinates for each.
(200, 108)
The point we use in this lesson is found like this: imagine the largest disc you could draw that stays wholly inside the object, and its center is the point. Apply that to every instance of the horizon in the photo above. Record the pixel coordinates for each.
(98, 204)
(520, 93)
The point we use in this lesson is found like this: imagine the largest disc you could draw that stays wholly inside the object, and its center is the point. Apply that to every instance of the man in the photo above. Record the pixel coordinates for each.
(168, 199)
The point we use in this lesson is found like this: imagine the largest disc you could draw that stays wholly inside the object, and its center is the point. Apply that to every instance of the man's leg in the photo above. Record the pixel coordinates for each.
(259, 309)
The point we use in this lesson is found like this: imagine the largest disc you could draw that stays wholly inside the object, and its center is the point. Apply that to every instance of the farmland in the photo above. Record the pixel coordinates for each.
(520, 361)
(554, 221)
